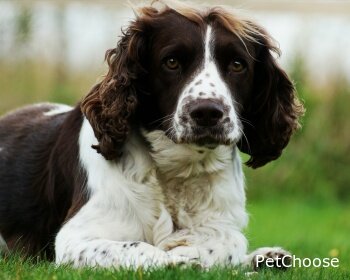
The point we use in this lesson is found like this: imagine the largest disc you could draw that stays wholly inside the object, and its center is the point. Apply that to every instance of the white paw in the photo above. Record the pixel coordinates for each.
(198, 256)
(119, 254)
(270, 257)
(190, 253)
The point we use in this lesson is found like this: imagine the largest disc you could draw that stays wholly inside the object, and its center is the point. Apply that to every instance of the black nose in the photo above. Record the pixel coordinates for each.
(206, 112)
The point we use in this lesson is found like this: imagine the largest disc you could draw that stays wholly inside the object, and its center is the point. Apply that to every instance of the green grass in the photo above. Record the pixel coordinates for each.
(308, 230)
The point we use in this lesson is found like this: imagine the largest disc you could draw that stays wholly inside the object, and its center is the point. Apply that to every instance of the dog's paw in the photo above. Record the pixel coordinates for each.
(271, 257)
(191, 253)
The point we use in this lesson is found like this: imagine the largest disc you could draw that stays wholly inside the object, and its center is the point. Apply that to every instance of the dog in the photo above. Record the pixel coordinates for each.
(145, 170)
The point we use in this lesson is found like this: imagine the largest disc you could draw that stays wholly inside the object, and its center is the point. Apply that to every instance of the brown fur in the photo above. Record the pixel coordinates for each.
(272, 114)
(110, 105)
(41, 178)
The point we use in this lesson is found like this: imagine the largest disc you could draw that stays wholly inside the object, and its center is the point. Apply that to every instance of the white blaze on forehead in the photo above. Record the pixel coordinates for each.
(207, 51)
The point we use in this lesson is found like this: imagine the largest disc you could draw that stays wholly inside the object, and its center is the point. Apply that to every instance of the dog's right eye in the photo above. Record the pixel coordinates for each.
(237, 66)
(172, 63)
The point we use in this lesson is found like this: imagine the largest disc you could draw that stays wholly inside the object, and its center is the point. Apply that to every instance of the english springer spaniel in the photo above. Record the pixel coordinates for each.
(146, 170)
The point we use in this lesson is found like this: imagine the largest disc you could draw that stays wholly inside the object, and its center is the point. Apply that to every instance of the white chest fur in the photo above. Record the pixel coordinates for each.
(146, 196)
(195, 180)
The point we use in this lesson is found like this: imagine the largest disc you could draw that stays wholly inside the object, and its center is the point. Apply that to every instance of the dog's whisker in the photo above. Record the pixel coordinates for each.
(246, 139)
(162, 118)
(243, 120)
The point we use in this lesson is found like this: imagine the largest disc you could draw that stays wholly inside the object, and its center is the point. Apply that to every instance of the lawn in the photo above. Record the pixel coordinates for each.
(307, 229)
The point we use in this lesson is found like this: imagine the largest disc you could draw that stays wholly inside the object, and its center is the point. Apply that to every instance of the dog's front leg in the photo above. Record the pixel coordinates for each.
(97, 237)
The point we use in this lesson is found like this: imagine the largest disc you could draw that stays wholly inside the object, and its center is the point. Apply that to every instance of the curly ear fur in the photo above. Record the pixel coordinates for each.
(271, 115)
(111, 104)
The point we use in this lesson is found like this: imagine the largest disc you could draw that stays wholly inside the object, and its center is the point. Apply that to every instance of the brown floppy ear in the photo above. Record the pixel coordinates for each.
(111, 104)
(271, 115)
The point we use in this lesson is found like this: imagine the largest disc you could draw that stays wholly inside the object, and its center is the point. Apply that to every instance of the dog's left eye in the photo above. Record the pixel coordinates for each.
(237, 66)
(172, 63)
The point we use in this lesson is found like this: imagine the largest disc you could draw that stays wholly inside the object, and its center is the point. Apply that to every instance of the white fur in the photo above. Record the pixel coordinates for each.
(1, 149)
(58, 109)
(144, 194)
(206, 84)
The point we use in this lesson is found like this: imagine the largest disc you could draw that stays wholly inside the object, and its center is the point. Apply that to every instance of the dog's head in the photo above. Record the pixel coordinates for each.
(205, 77)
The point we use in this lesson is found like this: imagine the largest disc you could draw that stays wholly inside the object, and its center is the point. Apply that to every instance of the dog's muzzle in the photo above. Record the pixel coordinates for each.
(207, 122)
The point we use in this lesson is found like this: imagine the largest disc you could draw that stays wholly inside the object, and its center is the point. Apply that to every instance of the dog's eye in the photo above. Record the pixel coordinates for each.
(237, 66)
(172, 63)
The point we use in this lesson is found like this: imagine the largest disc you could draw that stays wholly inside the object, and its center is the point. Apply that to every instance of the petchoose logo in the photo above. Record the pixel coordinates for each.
(287, 261)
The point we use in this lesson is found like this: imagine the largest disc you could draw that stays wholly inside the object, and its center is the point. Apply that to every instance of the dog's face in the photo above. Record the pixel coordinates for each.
(206, 79)
(198, 79)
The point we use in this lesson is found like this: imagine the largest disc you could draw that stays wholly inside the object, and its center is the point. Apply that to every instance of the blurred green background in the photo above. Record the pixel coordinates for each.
(53, 51)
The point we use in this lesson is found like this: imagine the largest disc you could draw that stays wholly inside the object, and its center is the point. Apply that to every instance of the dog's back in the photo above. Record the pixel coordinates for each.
(28, 194)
